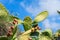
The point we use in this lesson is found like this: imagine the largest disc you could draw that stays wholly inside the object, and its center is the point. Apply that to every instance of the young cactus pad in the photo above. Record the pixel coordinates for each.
(27, 23)
(40, 17)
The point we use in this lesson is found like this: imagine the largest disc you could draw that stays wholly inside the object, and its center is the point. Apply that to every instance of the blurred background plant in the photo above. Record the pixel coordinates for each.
(8, 24)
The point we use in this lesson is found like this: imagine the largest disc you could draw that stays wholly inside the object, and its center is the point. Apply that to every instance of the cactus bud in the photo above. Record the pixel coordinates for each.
(38, 28)
(9, 34)
(12, 27)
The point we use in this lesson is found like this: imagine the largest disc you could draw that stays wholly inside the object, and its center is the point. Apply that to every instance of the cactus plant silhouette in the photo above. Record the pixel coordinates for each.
(10, 21)
(7, 28)
(30, 24)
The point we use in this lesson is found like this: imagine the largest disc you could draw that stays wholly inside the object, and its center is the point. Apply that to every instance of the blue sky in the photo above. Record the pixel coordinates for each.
(32, 7)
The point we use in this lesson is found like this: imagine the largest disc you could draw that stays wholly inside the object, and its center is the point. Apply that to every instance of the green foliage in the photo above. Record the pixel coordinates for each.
(3, 10)
(27, 23)
(5, 22)
(4, 18)
(47, 32)
(3, 13)
(58, 31)
(44, 38)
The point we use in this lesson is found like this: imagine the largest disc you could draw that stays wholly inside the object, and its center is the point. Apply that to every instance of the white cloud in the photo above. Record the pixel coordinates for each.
(31, 8)
(51, 5)
(22, 4)
(52, 25)
(46, 23)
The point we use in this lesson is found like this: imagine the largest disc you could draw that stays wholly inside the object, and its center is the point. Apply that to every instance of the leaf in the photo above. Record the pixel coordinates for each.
(3, 10)
(40, 17)
(27, 23)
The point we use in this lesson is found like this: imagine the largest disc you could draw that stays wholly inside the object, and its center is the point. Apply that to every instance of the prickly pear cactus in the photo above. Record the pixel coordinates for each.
(40, 17)
(8, 25)
(27, 23)
(46, 35)
(31, 27)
